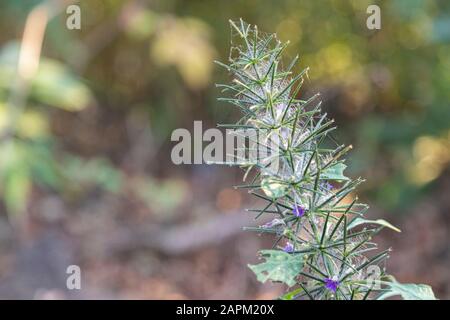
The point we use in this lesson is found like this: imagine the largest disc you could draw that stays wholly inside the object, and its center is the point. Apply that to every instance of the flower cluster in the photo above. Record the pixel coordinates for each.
(313, 210)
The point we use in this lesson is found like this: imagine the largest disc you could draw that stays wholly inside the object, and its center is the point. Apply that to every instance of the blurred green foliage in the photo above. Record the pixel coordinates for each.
(54, 84)
(388, 89)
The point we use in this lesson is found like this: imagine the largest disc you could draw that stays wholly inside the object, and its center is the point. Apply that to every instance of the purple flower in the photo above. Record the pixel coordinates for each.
(298, 211)
(289, 247)
(327, 186)
(331, 284)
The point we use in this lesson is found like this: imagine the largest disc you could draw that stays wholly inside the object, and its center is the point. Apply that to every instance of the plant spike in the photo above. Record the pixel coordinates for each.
(314, 211)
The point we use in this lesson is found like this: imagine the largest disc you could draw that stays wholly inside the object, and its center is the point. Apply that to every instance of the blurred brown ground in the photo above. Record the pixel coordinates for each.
(124, 253)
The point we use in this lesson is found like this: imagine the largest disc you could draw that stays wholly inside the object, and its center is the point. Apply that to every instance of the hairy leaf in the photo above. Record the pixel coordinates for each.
(408, 291)
(358, 221)
(334, 172)
(278, 266)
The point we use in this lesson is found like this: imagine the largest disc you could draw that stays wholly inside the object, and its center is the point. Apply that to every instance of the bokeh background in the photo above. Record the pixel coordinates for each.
(86, 117)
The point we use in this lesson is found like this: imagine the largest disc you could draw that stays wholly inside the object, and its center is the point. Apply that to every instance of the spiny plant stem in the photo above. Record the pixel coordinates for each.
(321, 251)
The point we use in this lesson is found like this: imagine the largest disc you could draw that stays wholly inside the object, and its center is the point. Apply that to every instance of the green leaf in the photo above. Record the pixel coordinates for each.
(142, 25)
(16, 190)
(334, 172)
(358, 221)
(53, 84)
(15, 178)
(57, 86)
(274, 188)
(96, 172)
(279, 266)
(408, 291)
(291, 295)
